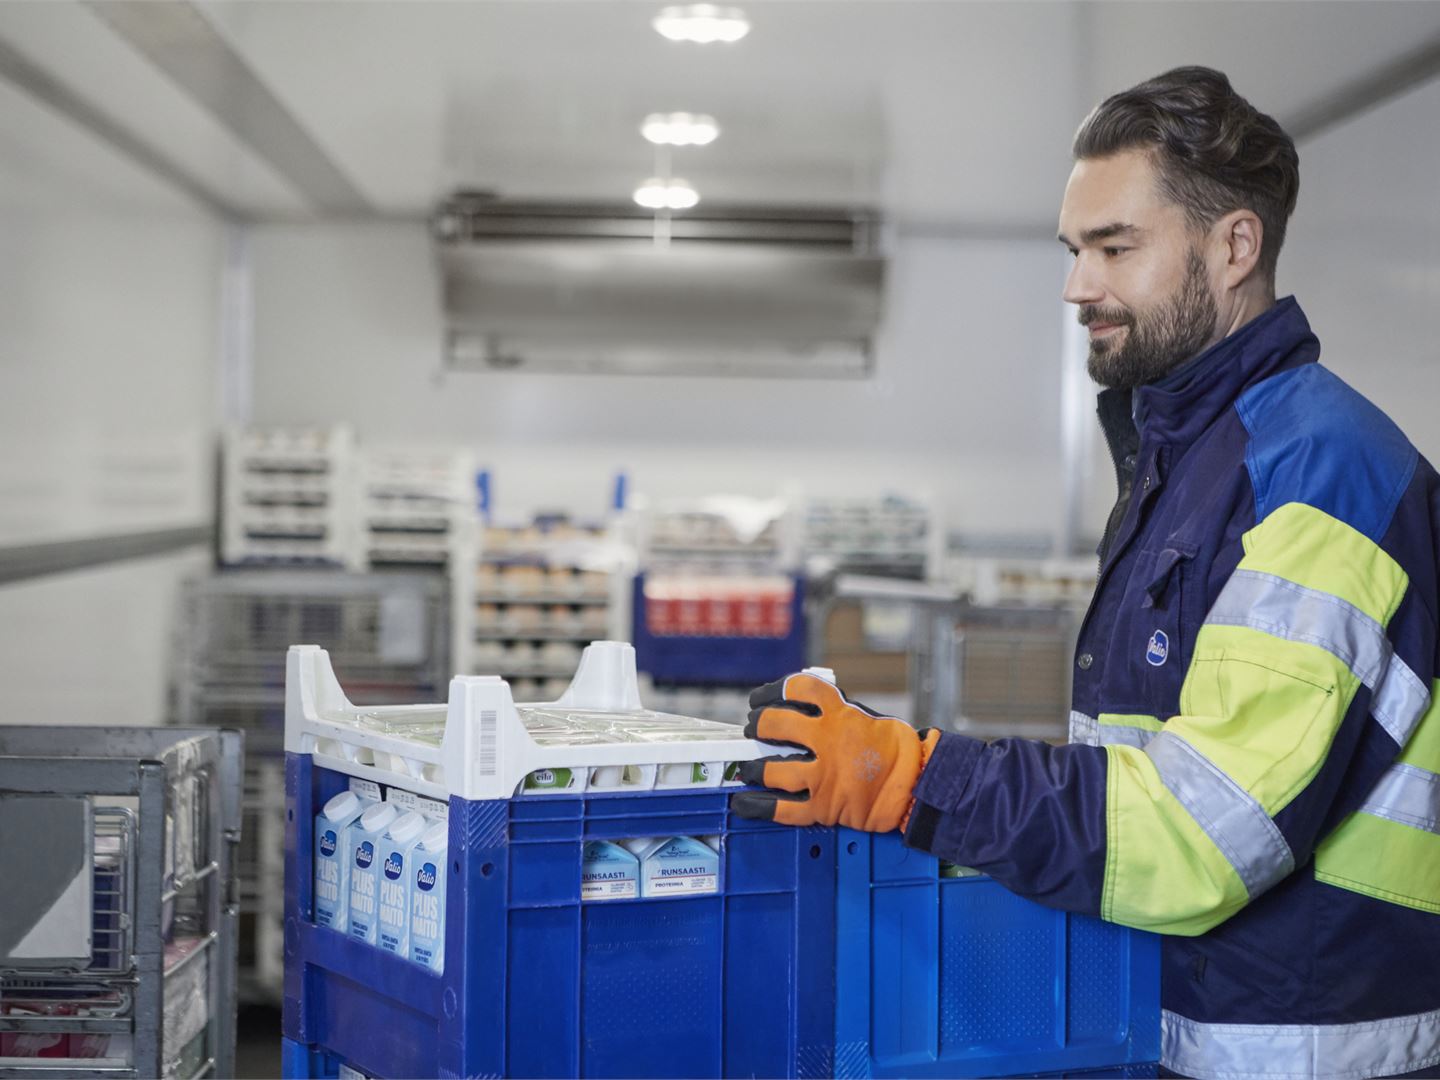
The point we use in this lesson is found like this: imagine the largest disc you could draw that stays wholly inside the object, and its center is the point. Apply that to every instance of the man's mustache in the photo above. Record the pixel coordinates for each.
(1088, 316)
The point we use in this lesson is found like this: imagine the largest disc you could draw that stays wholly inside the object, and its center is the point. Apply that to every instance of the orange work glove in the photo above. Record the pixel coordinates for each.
(861, 768)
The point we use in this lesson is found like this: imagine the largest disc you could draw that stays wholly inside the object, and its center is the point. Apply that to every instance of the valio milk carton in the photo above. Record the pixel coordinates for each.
(427, 897)
(365, 837)
(679, 866)
(608, 872)
(395, 849)
(333, 857)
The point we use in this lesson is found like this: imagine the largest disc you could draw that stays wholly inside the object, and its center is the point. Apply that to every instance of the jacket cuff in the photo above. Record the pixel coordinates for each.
(941, 786)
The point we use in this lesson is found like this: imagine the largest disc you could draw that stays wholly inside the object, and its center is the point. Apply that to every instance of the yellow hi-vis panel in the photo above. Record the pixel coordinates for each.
(1133, 720)
(1309, 547)
(1162, 872)
(1383, 859)
(1391, 860)
(1297, 630)
(1262, 709)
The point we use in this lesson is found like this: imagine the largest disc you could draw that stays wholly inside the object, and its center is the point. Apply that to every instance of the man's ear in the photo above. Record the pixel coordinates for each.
(1241, 232)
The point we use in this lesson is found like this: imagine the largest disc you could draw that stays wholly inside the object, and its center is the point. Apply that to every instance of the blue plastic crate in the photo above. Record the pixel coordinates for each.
(823, 953)
(719, 660)
(539, 983)
(959, 977)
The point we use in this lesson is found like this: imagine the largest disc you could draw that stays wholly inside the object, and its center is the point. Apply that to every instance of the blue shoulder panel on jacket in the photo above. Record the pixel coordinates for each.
(1317, 441)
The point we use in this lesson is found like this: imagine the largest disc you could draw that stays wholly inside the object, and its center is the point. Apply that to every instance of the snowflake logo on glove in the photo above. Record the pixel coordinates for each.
(868, 765)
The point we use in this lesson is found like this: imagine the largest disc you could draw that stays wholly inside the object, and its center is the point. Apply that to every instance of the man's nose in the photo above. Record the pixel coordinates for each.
(1082, 285)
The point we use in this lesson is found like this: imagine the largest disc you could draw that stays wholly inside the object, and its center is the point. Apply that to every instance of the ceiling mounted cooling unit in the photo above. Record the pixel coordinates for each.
(549, 288)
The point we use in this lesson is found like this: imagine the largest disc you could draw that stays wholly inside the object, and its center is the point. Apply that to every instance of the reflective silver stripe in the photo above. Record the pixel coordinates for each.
(1084, 730)
(1407, 795)
(1283, 609)
(1399, 701)
(1087, 731)
(1236, 823)
(1399, 1044)
(1124, 735)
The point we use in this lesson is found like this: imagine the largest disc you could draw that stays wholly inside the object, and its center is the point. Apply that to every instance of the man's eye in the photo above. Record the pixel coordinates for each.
(1111, 252)
(1074, 253)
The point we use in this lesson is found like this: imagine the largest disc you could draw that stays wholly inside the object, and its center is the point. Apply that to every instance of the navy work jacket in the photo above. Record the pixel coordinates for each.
(1254, 764)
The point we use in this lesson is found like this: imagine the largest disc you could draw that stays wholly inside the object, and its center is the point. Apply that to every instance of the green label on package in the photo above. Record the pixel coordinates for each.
(543, 779)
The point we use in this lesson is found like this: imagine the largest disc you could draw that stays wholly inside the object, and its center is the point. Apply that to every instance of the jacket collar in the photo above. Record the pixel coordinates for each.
(1180, 407)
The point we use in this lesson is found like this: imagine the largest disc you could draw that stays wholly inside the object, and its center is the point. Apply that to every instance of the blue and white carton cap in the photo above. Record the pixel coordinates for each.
(406, 827)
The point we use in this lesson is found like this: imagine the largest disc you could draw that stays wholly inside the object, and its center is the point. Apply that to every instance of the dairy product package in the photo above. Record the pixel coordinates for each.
(950, 870)
(430, 809)
(679, 866)
(365, 838)
(333, 856)
(608, 872)
(690, 774)
(604, 777)
(393, 934)
(427, 897)
(554, 781)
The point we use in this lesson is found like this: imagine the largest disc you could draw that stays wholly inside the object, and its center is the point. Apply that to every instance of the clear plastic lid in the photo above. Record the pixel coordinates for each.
(560, 725)
(408, 722)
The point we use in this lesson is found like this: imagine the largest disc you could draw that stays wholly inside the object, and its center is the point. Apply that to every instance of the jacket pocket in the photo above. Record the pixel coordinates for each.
(1150, 645)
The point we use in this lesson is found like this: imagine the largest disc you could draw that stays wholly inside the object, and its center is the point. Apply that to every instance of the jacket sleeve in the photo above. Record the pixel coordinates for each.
(1310, 673)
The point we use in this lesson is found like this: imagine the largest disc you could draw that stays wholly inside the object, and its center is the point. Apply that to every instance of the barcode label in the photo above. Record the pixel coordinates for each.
(489, 721)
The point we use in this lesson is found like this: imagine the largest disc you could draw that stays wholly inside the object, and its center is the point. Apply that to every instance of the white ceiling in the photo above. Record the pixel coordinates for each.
(950, 114)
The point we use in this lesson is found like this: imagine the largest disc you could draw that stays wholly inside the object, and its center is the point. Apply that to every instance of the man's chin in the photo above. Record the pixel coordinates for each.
(1104, 371)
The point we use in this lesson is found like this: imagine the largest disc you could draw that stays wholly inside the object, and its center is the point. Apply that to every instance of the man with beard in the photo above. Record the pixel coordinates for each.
(1254, 764)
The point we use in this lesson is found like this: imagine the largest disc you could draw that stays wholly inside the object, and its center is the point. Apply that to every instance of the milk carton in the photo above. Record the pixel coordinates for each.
(608, 872)
(365, 838)
(333, 856)
(394, 931)
(679, 866)
(427, 897)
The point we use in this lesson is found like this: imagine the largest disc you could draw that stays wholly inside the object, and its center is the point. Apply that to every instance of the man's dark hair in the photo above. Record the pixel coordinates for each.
(1214, 152)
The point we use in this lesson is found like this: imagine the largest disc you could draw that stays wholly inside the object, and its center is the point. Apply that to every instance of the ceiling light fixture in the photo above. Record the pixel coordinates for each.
(680, 129)
(704, 24)
(658, 193)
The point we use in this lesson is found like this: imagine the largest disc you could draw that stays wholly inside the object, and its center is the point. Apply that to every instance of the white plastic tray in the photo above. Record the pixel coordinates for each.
(486, 752)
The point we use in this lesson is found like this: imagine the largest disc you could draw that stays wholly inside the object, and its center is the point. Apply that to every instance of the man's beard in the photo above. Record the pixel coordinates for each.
(1156, 342)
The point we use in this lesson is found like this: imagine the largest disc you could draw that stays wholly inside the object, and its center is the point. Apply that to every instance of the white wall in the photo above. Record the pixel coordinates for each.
(108, 294)
(1363, 257)
(965, 404)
